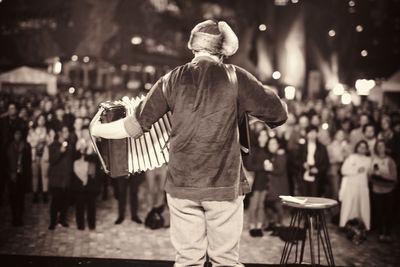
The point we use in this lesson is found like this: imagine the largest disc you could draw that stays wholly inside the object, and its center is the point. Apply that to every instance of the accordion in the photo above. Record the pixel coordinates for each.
(121, 157)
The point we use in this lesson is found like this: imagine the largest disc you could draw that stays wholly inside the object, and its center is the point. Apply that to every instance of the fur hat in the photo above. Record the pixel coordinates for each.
(214, 37)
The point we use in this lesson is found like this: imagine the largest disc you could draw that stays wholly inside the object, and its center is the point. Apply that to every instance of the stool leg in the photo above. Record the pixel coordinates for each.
(285, 252)
(297, 229)
(323, 241)
(328, 241)
(303, 241)
(311, 231)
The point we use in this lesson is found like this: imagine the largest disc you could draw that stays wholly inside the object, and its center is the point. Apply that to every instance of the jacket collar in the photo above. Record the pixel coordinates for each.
(203, 57)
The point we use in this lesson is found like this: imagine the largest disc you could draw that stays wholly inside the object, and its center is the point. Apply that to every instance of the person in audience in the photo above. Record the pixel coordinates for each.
(132, 182)
(383, 173)
(369, 135)
(260, 165)
(18, 162)
(357, 134)
(155, 181)
(338, 151)
(278, 183)
(354, 191)
(85, 182)
(61, 157)
(312, 164)
(9, 123)
(37, 138)
(386, 133)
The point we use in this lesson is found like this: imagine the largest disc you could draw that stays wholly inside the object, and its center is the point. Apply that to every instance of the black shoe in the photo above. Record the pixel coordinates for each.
(92, 227)
(136, 219)
(52, 227)
(119, 221)
(81, 228)
(64, 224)
(256, 233)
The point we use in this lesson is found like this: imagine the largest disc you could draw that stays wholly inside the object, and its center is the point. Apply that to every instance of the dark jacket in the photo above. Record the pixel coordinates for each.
(22, 173)
(321, 161)
(205, 161)
(93, 183)
(61, 165)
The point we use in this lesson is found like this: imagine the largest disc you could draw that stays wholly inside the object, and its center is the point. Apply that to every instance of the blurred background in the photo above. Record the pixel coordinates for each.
(318, 47)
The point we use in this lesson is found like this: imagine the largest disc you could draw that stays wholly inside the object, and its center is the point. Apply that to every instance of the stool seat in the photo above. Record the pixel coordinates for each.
(312, 203)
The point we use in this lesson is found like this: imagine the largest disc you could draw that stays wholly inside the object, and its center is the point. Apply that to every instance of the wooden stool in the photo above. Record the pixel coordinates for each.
(311, 215)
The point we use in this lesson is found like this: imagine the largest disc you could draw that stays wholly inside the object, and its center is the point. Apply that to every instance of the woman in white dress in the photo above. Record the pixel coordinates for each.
(354, 192)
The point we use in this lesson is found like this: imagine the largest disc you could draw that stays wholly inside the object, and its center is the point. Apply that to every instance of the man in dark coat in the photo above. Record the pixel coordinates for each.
(19, 171)
(312, 164)
(61, 157)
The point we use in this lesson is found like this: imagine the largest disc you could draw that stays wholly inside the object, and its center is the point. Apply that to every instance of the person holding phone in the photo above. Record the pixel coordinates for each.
(61, 158)
(384, 180)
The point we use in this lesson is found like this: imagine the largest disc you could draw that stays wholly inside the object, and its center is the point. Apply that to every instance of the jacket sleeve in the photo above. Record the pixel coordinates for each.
(347, 167)
(153, 107)
(260, 101)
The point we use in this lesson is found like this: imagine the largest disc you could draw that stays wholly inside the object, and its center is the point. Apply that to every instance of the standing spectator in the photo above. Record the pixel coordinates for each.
(155, 180)
(37, 138)
(338, 151)
(312, 164)
(133, 182)
(85, 182)
(323, 133)
(8, 125)
(354, 192)
(386, 133)
(259, 164)
(369, 134)
(278, 180)
(384, 179)
(61, 155)
(18, 171)
(357, 134)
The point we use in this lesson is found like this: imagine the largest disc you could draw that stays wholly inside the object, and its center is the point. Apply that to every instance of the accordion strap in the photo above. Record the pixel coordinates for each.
(94, 144)
(243, 122)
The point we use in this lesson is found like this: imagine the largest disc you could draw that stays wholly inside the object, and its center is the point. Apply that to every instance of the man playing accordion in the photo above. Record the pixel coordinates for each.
(205, 183)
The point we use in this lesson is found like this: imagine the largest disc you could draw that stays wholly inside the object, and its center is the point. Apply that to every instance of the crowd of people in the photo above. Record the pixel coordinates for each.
(345, 152)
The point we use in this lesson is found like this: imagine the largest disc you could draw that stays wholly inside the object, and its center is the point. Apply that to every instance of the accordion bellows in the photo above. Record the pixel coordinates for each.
(121, 157)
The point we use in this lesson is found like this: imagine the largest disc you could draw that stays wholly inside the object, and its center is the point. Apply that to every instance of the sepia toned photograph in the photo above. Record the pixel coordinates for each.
(208, 133)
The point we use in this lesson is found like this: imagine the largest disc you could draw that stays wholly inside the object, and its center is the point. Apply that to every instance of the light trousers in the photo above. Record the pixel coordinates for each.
(200, 228)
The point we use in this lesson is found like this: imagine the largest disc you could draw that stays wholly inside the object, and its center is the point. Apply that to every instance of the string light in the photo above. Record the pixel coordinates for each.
(276, 75)
(359, 28)
(364, 53)
(290, 92)
(262, 27)
(331, 33)
(136, 40)
(74, 58)
(352, 3)
(346, 98)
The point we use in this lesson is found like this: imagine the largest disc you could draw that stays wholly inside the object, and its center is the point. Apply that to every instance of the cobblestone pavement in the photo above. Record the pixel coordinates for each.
(132, 241)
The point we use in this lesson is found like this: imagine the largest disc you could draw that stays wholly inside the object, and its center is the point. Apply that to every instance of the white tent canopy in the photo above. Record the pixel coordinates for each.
(392, 84)
(28, 75)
